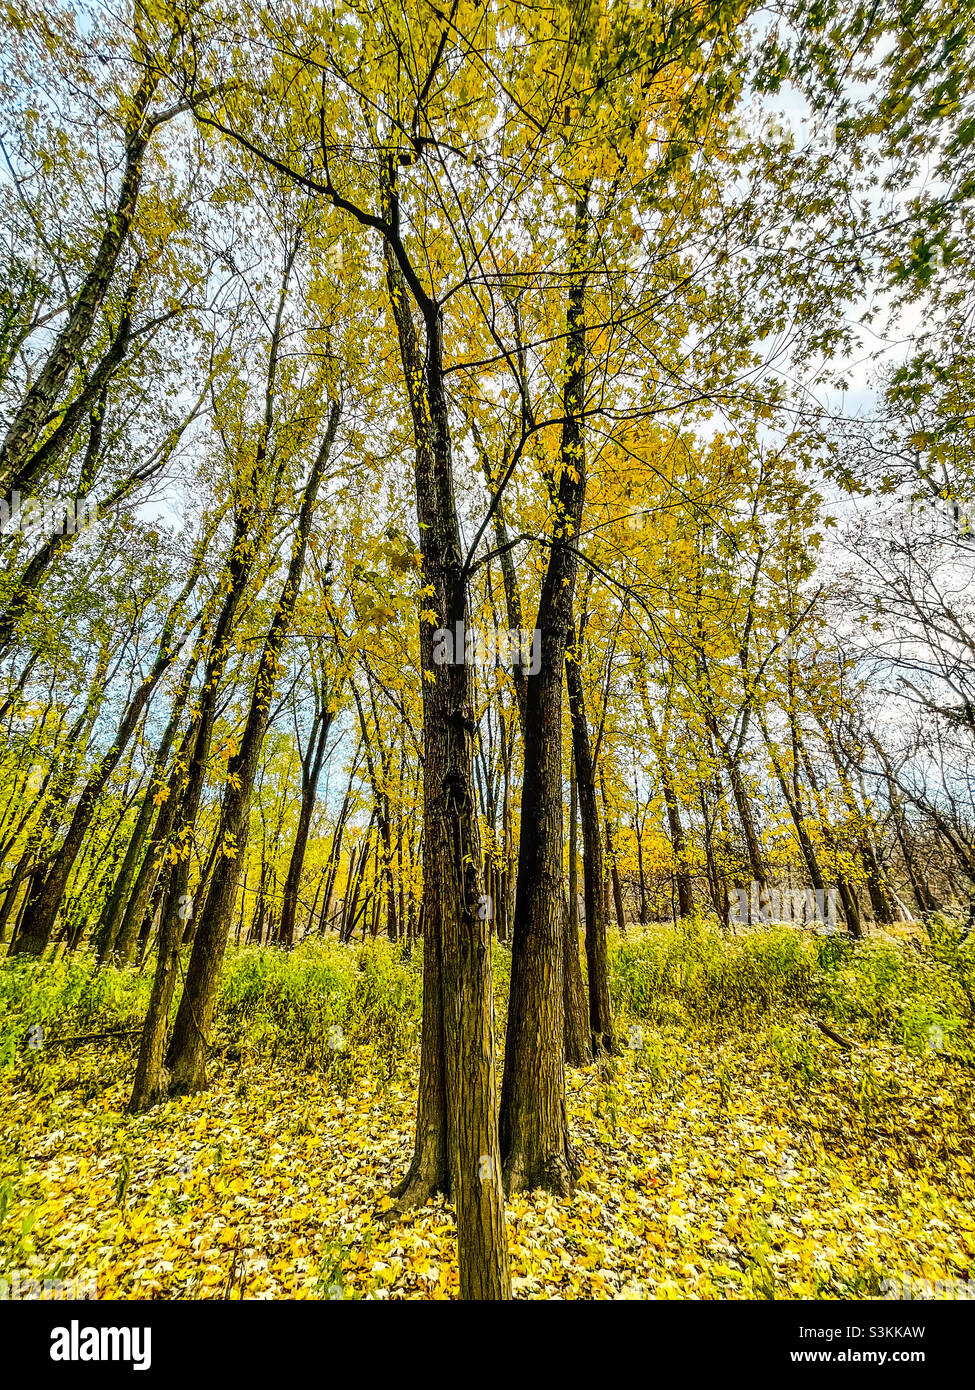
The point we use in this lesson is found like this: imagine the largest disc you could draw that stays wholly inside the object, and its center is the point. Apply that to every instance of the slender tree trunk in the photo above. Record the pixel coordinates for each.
(806, 846)
(113, 914)
(603, 1036)
(851, 910)
(573, 846)
(135, 909)
(919, 886)
(335, 849)
(310, 773)
(614, 871)
(18, 468)
(25, 941)
(577, 1050)
(678, 838)
(187, 1053)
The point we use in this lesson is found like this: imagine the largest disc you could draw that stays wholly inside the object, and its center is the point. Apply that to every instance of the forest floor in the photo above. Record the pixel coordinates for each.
(717, 1161)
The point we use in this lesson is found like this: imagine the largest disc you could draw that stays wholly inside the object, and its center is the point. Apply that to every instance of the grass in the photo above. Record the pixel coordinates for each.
(304, 1005)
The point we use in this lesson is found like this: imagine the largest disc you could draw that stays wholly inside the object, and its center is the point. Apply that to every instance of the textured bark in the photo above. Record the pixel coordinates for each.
(533, 1124)
(150, 921)
(456, 1131)
(149, 1082)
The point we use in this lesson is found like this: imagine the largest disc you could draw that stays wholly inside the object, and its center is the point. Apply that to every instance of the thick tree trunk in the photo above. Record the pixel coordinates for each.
(149, 1083)
(533, 1123)
(456, 1131)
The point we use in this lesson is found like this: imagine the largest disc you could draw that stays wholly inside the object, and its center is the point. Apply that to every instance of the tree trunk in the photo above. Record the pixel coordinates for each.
(603, 1037)
(310, 772)
(187, 1052)
(113, 914)
(614, 871)
(577, 1049)
(533, 1124)
(18, 468)
(456, 1130)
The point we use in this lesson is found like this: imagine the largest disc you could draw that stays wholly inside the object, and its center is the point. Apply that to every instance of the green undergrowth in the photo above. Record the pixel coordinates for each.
(345, 1010)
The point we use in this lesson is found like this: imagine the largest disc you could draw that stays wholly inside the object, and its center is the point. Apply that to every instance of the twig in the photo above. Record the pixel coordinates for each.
(91, 1037)
(835, 1037)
